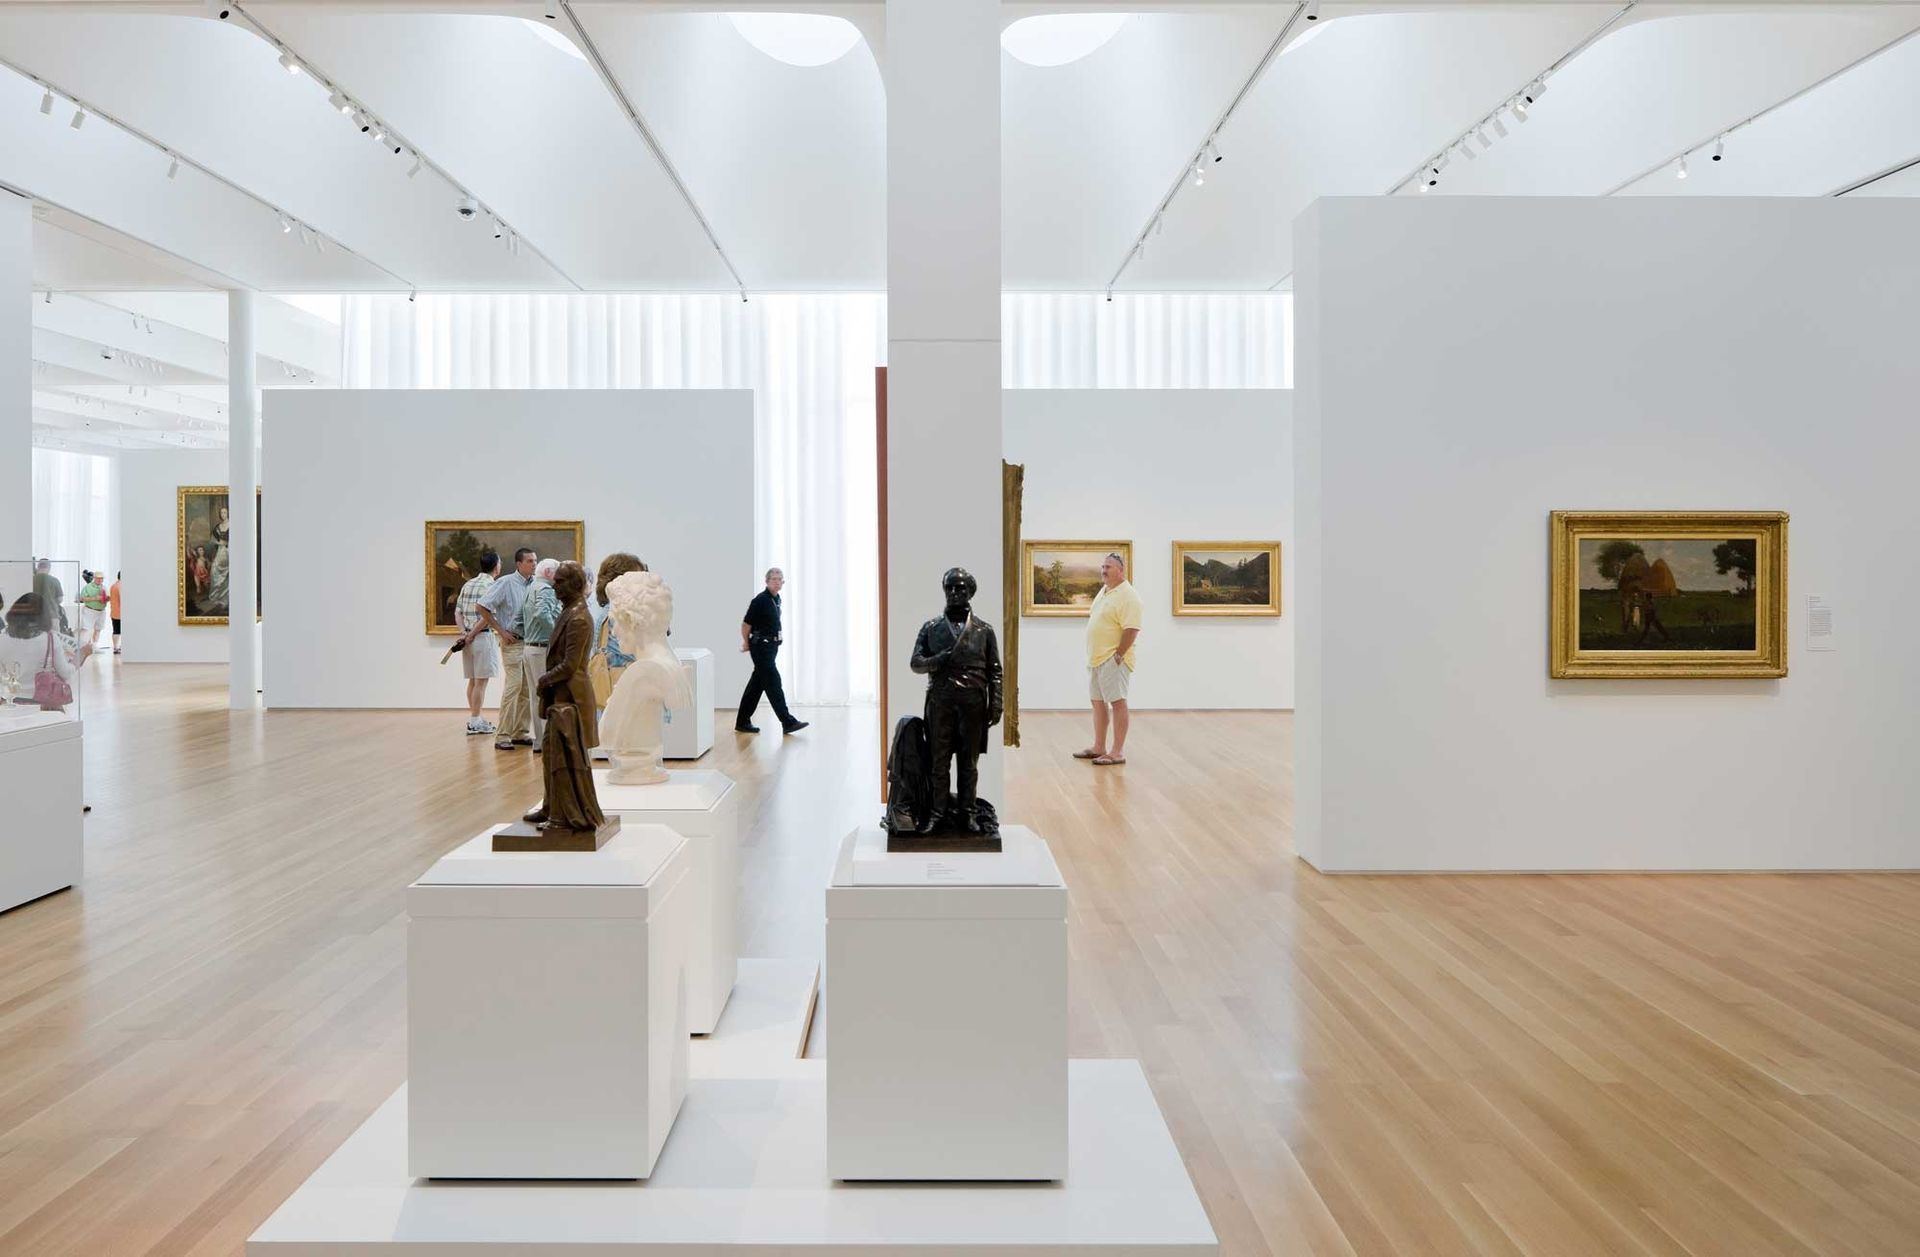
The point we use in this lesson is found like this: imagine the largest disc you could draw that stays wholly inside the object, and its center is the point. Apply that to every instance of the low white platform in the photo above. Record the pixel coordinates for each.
(745, 1172)
(764, 1029)
(702, 805)
(40, 804)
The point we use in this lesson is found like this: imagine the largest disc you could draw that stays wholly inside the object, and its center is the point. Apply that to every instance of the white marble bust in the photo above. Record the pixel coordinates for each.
(630, 732)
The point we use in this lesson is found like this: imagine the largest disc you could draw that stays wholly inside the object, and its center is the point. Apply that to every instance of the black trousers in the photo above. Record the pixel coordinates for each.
(955, 719)
(765, 680)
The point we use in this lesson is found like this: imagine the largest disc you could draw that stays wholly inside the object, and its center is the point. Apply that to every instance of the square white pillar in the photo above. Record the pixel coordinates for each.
(547, 1009)
(16, 377)
(702, 806)
(946, 990)
(688, 731)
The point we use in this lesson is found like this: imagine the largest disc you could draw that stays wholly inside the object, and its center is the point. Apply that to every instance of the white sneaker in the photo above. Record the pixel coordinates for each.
(476, 727)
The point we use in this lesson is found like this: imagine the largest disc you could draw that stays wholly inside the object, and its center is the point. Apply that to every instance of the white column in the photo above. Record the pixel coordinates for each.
(943, 325)
(243, 474)
(16, 376)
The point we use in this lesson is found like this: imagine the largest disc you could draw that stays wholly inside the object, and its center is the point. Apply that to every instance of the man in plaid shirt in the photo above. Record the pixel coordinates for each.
(480, 651)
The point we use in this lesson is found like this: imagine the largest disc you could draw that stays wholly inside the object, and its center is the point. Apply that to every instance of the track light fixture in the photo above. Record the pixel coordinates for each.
(1680, 172)
(220, 10)
(498, 230)
(1480, 134)
(79, 119)
(46, 101)
(339, 101)
(415, 168)
(1466, 150)
(1433, 176)
(1213, 151)
(1720, 148)
(1499, 127)
(1519, 108)
(1199, 175)
(288, 64)
(286, 225)
(1159, 224)
(173, 166)
(1535, 90)
(1313, 11)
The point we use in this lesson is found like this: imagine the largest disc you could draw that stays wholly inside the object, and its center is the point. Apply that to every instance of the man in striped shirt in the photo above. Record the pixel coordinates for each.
(480, 654)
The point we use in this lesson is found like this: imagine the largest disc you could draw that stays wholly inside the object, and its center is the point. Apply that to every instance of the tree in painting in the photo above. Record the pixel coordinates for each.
(1739, 558)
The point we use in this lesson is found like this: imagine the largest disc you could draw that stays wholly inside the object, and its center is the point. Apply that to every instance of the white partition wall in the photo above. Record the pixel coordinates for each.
(351, 477)
(1155, 466)
(1466, 366)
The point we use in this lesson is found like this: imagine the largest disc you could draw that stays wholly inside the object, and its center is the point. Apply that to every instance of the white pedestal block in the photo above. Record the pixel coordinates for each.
(547, 1008)
(689, 729)
(702, 805)
(40, 802)
(947, 1013)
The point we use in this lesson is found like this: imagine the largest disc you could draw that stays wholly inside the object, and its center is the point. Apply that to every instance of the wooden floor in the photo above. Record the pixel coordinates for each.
(1421, 1065)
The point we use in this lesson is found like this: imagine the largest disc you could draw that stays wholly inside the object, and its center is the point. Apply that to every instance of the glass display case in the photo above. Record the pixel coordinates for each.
(44, 643)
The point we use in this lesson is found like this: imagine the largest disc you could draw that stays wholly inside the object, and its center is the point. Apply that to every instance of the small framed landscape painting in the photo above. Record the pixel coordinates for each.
(202, 521)
(1669, 594)
(454, 547)
(1226, 578)
(1061, 577)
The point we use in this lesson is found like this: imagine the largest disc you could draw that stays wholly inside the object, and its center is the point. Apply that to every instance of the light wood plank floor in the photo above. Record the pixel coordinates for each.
(1725, 1065)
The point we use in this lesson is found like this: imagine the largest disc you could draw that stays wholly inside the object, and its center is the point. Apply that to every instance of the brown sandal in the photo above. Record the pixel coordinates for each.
(1089, 753)
(1110, 759)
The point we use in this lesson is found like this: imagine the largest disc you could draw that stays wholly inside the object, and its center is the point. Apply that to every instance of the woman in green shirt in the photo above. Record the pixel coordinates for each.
(93, 607)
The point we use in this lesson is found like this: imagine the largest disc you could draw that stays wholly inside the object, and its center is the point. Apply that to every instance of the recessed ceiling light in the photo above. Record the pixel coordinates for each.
(800, 39)
(553, 38)
(1060, 38)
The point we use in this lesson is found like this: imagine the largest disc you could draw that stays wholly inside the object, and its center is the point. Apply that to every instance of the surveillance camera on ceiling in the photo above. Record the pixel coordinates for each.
(467, 208)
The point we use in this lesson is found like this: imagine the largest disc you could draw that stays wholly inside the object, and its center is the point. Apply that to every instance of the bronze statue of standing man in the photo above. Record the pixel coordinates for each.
(960, 657)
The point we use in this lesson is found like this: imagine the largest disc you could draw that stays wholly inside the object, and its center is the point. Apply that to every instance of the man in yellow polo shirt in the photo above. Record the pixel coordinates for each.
(1112, 625)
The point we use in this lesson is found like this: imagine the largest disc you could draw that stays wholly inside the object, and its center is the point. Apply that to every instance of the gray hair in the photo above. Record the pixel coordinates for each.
(1117, 558)
(771, 573)
(545, 568)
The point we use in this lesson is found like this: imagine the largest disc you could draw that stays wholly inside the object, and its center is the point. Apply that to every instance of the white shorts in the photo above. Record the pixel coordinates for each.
(481, 658)
(1108, 682)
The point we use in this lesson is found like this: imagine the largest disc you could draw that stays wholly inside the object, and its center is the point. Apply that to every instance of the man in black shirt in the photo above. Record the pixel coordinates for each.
(760, 637)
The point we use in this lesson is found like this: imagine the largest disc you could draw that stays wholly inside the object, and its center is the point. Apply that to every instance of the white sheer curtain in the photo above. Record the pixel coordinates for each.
(1146, 340)
(72, 511)
(809, 361)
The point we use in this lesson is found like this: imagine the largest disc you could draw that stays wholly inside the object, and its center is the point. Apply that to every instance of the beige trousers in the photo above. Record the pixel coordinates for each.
(516, 695)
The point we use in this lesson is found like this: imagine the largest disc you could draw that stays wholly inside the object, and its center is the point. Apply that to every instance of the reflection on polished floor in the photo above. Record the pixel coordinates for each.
(1602, 1064)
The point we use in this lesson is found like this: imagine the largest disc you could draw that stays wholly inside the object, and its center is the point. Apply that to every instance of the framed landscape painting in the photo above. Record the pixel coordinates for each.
(1061, 577)
(454, 547)
(1226, 578)
(1669, 594)
(202, 521)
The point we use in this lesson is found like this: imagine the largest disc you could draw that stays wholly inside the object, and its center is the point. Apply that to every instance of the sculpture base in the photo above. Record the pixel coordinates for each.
(949, 842)
(525, 836)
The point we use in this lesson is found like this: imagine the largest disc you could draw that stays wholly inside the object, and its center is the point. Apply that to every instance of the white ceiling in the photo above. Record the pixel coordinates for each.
(736, 170)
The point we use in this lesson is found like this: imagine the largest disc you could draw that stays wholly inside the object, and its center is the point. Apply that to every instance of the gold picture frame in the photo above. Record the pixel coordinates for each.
(1715, 589)
(1050, 590)
(440, 583)
(1194, 597)
(195, 528)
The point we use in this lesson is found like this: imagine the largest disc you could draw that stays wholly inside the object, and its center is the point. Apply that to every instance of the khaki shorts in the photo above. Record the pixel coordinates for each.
(1108, 682)
(481, 658)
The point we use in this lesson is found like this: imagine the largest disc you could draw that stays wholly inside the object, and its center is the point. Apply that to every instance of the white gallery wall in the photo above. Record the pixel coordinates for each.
(350, 477)
(1467, 365)
(149, 559)
(1155, 466)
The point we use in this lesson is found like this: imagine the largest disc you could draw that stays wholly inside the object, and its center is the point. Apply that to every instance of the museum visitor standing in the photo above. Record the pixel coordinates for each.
(1113, 622)
(501, 608)
(93, 607)
(113, 611)
(760, 638)
(606, 659)
(479, 647)
(542, 611)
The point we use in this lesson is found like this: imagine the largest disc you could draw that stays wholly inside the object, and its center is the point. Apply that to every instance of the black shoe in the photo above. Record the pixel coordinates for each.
(746, 728)
(795, 727)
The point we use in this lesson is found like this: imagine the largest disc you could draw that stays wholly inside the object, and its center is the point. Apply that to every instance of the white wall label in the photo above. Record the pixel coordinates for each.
(1819, 622)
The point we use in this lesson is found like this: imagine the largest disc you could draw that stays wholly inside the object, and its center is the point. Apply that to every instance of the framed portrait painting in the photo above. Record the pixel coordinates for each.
(454, 547)
(1669, 594)
(202, 522)
(1228, 578)
(1061, 577)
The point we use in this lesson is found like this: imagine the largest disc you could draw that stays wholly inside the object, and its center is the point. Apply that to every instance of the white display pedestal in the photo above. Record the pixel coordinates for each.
(547, 1008)
(40, 806)
(701, 804)
(746, 1174)
(689, 729)
(947, 1013)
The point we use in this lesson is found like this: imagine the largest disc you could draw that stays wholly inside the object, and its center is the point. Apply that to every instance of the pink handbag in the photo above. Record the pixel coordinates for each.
(50, 689)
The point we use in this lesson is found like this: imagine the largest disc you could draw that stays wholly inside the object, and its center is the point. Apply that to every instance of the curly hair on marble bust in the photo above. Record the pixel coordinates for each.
(642, 607)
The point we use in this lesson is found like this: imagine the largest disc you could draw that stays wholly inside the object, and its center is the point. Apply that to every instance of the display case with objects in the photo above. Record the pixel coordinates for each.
(41, 663)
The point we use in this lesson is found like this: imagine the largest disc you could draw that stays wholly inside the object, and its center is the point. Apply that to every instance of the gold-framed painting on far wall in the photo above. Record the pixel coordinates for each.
(454, 547)
(1227, 578)
(1669, 594)
(202, 521)
(1061, 577)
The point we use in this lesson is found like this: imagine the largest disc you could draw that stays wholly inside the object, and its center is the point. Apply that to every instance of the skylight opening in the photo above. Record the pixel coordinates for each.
(799, 39)
(1060, 38)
